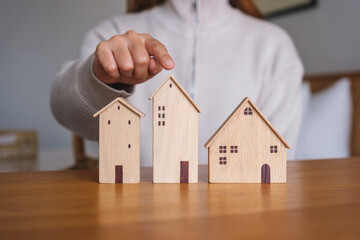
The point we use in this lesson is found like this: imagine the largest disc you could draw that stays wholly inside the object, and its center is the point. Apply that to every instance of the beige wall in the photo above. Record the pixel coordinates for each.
(327, 37)
(37, 38)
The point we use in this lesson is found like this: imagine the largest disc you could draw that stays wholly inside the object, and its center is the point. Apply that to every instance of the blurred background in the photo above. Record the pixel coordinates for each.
(38, 37)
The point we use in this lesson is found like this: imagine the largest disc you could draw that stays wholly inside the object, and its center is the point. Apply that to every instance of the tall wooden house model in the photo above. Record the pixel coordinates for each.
(247, 149)
(175, 134)
(119, 142)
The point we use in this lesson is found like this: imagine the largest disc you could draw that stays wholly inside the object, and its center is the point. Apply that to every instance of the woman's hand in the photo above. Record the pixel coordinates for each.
(130, 58)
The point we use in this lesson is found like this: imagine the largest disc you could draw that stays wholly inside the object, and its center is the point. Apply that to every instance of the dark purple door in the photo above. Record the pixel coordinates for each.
(119, 174)
(265, 173)
(184, 172)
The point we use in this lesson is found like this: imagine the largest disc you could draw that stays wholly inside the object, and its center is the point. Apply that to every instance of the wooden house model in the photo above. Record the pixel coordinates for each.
(247, 149)
(175, 134)
(119, 142)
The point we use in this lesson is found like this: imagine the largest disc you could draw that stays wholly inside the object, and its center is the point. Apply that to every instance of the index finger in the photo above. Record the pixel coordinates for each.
(158, 50)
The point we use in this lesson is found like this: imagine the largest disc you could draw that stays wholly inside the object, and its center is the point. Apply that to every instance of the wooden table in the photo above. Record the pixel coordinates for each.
(320, 201)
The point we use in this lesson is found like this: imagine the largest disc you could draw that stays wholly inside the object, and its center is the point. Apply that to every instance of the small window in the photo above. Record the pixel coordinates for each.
(109, 122)
(273, 149)
(233, 149)
(163, 123)
(163, 115)
(159, 115)
(248, 111)
(129, 122)
(159, 123)
(163, 108)
(222, 161)
(118, 107)
(129, 146)
(222, 149)
(159, 108)
(170, 85)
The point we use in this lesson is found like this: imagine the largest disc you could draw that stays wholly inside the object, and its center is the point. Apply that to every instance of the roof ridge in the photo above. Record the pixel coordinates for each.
(181, 89)
(125, 103)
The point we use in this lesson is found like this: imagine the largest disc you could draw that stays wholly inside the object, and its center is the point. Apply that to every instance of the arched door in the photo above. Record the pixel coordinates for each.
(265, 173)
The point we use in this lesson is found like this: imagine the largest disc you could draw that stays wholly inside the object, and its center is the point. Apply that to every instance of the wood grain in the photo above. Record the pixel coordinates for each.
(119, 141)
(175, 133)
(320, 201)
(256, 143)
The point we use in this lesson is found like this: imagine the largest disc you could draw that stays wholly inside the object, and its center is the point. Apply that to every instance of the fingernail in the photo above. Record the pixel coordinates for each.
(169, 63)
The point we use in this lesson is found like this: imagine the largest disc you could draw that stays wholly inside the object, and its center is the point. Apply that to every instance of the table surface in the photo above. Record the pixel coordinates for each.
(320, 201)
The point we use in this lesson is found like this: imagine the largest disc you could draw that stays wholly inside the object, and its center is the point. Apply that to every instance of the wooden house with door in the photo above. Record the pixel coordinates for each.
(119, 142)
(247, 149)
(175, 134)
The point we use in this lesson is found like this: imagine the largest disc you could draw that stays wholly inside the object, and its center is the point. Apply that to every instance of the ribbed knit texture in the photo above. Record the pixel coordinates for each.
(236, 56)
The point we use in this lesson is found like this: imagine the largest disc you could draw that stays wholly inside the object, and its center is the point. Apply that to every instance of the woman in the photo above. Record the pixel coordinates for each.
(221, 54)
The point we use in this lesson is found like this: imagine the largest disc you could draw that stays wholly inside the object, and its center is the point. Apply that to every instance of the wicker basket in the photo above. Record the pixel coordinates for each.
(19, 152)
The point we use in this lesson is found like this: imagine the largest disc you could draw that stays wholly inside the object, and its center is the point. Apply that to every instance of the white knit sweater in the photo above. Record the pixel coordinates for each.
(221, 56)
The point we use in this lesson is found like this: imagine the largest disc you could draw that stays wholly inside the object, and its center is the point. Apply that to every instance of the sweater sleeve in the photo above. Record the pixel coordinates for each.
(282, 98)
(76, 93)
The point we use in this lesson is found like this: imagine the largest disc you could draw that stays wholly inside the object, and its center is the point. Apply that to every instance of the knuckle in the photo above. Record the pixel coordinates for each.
(101, 46)
(131, 34)
(117, 38)
(142, 60)
(127, 67)
(110, 69)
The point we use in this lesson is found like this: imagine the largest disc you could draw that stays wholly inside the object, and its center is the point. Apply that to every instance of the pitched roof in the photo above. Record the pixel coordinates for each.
(125, 103)
(228, 120)
(181, 89)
